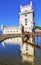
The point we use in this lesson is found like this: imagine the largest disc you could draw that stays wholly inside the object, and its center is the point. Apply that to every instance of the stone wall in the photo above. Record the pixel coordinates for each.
(12, 30)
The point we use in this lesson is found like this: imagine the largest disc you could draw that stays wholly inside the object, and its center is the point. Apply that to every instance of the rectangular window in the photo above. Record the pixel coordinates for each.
(25, 21)
(25, 10)
(7, 31)
(10, 31)
(25, 15)
(13, 31)
(17, 31)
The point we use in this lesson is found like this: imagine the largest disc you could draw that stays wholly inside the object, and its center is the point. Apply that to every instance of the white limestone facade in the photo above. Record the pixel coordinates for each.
(26, 17)
(11, 30)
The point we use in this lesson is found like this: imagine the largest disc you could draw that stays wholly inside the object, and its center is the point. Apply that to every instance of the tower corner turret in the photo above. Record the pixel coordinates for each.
(2, 27)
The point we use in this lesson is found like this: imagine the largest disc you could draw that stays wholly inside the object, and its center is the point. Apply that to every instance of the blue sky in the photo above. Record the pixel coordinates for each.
(9, 11)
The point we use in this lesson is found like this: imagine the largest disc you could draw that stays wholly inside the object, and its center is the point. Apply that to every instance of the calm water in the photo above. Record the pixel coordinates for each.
(8, 52)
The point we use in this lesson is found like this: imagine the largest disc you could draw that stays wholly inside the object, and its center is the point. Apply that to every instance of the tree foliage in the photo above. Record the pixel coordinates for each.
(38, 27)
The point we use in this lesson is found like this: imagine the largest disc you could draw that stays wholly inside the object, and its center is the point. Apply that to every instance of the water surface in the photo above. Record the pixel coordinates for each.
(11, 55)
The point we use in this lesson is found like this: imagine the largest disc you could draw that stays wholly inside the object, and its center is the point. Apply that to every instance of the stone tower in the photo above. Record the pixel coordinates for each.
(26, 17)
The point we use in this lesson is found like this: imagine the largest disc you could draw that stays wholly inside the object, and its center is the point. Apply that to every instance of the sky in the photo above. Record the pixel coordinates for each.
(9, 11)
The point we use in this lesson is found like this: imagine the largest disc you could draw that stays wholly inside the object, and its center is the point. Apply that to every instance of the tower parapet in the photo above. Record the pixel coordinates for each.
(31, 3)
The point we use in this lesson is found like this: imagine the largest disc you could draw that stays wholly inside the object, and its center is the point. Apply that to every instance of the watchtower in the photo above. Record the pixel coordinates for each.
(26, 17)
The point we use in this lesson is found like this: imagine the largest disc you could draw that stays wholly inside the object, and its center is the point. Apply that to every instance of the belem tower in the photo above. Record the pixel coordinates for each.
(26, 24)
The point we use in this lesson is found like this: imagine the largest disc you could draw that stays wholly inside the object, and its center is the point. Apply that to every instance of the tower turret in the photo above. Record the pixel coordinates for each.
(2, 27)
